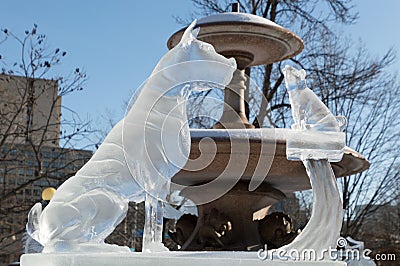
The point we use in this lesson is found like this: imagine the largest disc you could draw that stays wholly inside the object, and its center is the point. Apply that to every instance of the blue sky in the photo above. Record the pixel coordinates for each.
(119, 42)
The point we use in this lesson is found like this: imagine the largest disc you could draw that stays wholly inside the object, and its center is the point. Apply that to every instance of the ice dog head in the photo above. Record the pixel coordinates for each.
(294, 79)
(195, 60)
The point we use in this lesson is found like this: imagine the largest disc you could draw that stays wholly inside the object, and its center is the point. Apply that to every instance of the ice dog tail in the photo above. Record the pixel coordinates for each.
(32, 227)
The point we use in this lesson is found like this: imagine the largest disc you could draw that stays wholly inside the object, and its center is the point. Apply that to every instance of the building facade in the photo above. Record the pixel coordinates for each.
(30, 110)
(31, 158)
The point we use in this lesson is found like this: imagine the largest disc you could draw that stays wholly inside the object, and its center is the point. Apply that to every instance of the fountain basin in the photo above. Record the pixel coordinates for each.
(265, 148)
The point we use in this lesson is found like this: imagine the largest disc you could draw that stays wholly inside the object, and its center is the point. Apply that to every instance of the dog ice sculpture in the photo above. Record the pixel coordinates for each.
(316, 140)
(136, 160)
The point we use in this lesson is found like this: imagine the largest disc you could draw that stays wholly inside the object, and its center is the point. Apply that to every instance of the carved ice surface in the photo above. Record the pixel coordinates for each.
(315, 139)
(136, 160)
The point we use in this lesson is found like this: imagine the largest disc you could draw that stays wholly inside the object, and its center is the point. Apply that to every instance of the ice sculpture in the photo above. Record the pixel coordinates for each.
(316, 139)
(135, 161)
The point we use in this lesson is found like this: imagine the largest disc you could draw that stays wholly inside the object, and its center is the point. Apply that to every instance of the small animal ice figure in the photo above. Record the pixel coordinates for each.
(308, 111)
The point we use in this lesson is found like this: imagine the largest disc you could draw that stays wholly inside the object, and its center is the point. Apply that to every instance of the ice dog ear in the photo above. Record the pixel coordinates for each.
(190, 33)
(195, 32)
(302, 74)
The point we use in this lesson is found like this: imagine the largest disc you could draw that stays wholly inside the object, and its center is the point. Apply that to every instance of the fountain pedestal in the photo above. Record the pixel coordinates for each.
(242, 234)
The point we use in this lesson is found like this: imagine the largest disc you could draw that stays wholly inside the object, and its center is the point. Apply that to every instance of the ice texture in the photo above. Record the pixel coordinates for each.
(318, 142)
(136, 160)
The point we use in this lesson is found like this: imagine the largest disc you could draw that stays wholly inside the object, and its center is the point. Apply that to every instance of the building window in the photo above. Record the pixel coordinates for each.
(44, 183)
(11, 181)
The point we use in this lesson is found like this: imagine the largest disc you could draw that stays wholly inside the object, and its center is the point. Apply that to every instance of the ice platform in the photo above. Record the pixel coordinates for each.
(167, 259)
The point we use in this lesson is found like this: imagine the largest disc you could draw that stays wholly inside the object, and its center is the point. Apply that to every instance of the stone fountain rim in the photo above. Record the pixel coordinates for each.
(275, 135)
(287, 176)
(279, 136)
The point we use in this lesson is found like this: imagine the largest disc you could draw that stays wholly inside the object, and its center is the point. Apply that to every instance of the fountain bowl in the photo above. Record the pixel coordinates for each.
(266, 144)
(233, 33)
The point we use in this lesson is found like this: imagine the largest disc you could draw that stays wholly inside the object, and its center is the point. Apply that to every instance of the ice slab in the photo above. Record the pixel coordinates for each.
(165, 259)
(315, 145)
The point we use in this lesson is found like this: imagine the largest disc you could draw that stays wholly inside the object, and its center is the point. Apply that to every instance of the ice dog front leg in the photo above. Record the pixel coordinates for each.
(153, 227)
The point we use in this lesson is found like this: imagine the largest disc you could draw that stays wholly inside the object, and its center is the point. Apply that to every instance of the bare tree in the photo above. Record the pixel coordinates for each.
(348, 80)
(37, 133)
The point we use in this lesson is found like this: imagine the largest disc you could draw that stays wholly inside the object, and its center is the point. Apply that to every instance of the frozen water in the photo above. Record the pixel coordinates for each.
(315, 140)
(323, 229)
(136, 160)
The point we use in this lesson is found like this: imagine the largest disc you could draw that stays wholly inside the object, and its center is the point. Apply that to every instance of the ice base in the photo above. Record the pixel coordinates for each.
(163, 258)
(315, 145)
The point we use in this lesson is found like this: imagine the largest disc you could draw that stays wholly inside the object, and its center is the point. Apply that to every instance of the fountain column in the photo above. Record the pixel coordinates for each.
(234, 115)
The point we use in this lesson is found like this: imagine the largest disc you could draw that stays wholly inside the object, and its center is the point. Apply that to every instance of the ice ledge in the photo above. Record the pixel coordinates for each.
(167, 259)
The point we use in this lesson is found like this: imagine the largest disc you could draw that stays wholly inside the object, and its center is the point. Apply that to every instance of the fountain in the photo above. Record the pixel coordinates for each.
(248, 169)
(261, 166)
